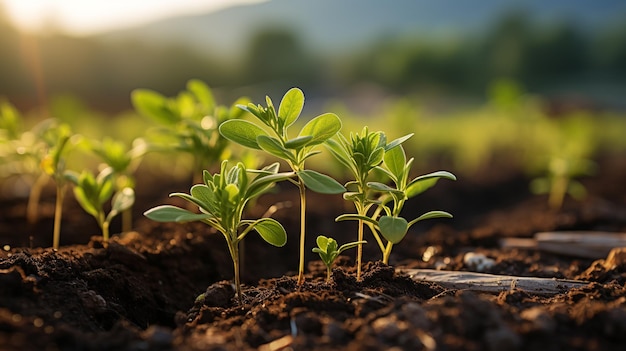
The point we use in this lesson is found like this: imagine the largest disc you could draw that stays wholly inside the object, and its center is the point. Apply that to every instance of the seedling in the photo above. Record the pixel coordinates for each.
(391, 225)
(559, 180)
(328, 251)
(123, 163)
(221, 200)
(92, 192)
(57, 138)
(361, 154)
(189, 122)
(295, 151)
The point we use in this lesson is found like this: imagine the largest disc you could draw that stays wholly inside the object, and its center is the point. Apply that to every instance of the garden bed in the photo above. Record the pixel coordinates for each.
(167, 286)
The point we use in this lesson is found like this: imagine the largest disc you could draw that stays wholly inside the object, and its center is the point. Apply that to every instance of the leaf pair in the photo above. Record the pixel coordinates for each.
(328, 250)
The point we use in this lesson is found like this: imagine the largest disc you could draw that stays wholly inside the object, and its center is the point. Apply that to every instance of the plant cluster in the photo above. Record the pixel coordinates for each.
(193, 123)
(223, 196)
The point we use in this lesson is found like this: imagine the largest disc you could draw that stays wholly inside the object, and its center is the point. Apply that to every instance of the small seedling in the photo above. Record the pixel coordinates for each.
(361, 154)
(92, 192)
(295, 151)
(189, 123)
(221, 200)
(391, 225)
(328, 251)
(57, 138)
(123, 162)
(559, 180)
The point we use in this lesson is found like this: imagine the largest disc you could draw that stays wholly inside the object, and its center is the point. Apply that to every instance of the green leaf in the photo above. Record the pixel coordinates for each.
(393, 228)
(382, 187)
(204, 196)
(320, 183)
(426, 181)
(340, 153)
(153, 105)
(322, 243)
(298, 142)
(260, 184)
(271, 231)
(274, 147)
(202, 93)
(397, 142)
(122, 201)
(395, 161)
(242, 132)
(166, 213)
(356, 217)
(85, 201)
(321, 128)
(291, 106)
(348, 246)
(429, 215)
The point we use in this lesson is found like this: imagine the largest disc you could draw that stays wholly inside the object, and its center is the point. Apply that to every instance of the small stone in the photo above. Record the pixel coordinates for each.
(92, 301)
(478, 262)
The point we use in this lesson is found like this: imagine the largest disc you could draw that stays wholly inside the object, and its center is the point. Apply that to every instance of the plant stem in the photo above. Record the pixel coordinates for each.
(557, 192)
(58, 212)
(127, 220)
(105, 232)
(302, 189)
(32, 213)
(234, 251)
(387, 252)
(359, 252)
(328, 273)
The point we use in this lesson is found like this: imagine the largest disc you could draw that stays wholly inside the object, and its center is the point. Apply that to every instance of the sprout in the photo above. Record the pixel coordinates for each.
(221, 200)
(328, 251)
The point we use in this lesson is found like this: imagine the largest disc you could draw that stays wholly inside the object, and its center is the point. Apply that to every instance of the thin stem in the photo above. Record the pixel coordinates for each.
(359, 252)
(127, 220)
(328, 272)
(557, 192)
(32, 213)
(58, 212)
(105, 232)
(234, 251)
(387, 252)
(302, 189)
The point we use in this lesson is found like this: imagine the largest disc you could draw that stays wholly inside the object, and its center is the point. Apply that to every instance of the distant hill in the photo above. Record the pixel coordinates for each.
(341, 25)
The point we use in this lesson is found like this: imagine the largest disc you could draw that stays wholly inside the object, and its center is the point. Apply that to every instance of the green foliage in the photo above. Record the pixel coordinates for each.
(361, 154)
(188, 122)
(92, 192)
(386, 219)
(328, 250)
(295, 151)
(221, 200)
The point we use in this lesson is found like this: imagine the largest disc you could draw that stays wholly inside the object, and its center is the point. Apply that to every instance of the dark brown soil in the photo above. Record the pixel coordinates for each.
(167, 287)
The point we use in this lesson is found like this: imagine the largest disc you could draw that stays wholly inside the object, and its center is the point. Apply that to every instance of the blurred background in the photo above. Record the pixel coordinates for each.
(464, 76)
(570, 51)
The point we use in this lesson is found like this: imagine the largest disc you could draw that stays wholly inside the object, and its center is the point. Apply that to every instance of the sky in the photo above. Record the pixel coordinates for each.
(84, 17)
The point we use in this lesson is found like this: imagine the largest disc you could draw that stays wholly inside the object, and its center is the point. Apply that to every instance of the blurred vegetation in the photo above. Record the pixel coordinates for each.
(541, 57)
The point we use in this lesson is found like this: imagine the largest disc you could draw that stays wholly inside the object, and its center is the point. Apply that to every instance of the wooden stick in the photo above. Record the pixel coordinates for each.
(586, 244)
(491, 283)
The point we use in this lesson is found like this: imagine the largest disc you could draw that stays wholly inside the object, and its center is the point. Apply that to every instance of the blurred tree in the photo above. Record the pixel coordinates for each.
(275, 55)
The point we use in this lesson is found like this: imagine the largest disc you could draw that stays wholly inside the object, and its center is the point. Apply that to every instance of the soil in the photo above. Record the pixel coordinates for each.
(167, 286)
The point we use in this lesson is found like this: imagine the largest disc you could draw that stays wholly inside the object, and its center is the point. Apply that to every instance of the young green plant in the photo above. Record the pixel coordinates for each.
(328, 250)
(189, 123)
(391, 226)
(92, 192)
(295, 151)
(123, 161)
(221, 199)
(361, 154)
(57, 138)
(560, 181)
